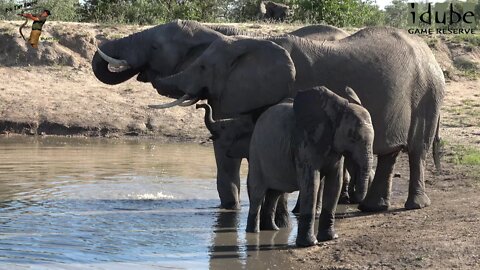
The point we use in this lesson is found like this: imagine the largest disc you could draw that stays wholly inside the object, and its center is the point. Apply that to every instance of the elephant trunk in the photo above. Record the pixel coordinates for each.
(118, 73)
(362, 177)
(209, 122)
(169, 86)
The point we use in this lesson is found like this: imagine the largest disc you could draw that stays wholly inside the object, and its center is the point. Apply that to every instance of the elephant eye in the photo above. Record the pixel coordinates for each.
(202, 67)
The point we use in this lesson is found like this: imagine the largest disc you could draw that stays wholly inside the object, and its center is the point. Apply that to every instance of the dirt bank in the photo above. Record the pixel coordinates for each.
(53, 91)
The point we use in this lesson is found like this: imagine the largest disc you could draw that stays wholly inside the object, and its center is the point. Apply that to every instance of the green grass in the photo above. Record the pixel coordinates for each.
(465, 155)
(473, 40)
(469, 68)
(466, 114)
(466, 158)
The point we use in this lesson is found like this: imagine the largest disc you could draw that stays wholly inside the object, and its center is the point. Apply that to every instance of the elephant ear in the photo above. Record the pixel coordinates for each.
(261, 73)
(316, 107)
(352, 96)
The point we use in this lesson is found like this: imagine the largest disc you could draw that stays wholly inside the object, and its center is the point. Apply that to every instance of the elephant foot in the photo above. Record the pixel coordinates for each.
(327, 235)
(230, 205)
(252, 224)
(307, 241)
(344, 199)
(268, 225)
(282, 220)
(374, 205)
(417, 201)
(326, 229)
(305, 236)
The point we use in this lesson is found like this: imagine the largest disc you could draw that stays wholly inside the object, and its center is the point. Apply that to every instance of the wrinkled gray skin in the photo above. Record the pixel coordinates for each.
(165, 50)
(234, 136)
(291, 142)
(394, 74)
(274, 11)
(320, 32)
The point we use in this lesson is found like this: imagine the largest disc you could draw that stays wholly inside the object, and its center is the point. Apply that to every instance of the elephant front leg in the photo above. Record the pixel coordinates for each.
(346, 186)
(378, 195)
(331, 193)
(417, 197)
(309, 185)
(228, 178)
(318, 209)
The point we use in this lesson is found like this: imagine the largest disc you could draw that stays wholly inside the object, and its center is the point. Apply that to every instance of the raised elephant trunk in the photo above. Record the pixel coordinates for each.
(209, 122)
(216, 126)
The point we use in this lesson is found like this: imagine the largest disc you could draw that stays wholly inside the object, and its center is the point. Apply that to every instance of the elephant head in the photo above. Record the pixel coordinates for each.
(237, 74)
(232, 134)
(350, 125)
(159, 51)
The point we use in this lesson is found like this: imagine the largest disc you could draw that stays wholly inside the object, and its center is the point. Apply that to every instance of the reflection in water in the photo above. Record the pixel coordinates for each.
(77, 203)
(239, 250)
(71, 203)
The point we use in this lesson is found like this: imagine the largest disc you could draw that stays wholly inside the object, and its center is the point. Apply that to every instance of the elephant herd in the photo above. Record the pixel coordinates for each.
(304, 108)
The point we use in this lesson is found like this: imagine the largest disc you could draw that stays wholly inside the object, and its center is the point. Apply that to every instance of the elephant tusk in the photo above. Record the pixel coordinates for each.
(171, 104)
(117, 69)
(114, 65)
(189, 102)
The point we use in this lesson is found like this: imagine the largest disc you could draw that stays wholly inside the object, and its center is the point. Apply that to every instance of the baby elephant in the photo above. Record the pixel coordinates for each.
(291, 143)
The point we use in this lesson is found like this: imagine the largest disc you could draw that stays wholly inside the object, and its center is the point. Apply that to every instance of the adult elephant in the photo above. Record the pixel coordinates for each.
(320, 32)
(274, 11)
(162, 51)
(394, 74)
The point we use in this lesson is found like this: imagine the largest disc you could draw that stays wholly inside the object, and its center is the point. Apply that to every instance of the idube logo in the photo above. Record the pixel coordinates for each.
(442, 18)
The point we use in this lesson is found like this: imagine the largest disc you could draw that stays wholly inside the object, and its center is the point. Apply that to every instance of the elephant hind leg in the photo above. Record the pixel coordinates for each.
(267, 219)
(256, 194)
(418, 146)
(417, 196)
(282, 216)
(378, 195)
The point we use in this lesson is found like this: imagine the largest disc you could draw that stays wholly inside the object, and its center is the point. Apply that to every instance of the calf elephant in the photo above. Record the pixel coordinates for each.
(162, 51)
(394, 74)
(290, 142)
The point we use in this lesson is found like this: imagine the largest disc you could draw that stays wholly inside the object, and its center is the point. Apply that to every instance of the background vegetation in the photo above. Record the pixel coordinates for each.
(342, 13)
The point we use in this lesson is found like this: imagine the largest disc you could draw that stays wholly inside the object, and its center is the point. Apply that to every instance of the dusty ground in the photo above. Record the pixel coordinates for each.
(65, 98)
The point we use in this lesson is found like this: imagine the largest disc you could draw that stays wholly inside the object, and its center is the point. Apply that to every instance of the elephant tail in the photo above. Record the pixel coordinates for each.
(437, 148)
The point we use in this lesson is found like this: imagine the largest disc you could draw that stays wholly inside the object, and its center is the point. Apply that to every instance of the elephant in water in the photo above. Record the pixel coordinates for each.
(162, 51)
(285, 149)
(234, 135)
(394, 74)
(291, 142)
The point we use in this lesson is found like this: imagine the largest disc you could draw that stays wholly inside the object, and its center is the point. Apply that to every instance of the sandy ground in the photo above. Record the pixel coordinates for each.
(71, 101)
(67, 99)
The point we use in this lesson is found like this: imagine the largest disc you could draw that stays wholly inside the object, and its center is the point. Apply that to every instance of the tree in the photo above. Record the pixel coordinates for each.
(396, 14)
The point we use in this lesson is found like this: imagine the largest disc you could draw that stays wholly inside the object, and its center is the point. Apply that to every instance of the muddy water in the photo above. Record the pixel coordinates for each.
(76, 203)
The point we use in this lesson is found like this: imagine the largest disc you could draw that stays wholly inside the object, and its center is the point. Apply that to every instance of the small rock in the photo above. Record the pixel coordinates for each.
(397, 175)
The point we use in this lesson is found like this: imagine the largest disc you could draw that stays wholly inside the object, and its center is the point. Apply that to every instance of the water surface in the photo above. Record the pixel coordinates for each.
(122, 204)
